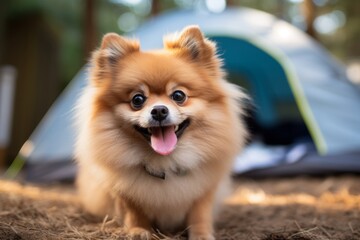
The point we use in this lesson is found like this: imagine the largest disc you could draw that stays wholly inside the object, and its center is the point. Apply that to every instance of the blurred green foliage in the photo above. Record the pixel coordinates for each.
(66, 19)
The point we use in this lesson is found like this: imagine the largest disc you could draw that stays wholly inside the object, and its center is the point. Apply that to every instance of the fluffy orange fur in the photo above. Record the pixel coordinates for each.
(118, 167)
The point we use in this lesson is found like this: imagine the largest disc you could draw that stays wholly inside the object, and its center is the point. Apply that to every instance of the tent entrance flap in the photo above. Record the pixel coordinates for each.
(267, 81)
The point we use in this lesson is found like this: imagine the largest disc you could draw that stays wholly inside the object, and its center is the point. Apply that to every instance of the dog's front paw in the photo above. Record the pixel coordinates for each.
(138, 233)
(201, 237)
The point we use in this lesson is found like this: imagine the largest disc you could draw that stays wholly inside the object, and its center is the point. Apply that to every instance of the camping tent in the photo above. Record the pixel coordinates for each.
(288, 74)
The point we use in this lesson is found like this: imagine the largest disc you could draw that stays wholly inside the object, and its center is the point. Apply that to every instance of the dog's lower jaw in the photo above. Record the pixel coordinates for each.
(179, 129)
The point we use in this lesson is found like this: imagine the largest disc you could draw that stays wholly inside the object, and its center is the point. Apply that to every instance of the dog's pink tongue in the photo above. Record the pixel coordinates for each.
(163, 139)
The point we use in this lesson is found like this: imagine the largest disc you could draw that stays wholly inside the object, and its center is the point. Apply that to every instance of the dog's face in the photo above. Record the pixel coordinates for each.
(164, 97)
(160, 94)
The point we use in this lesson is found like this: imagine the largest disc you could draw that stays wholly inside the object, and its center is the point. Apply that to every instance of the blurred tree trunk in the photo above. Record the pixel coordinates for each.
(309, 12)
(281, 9)
(155, 7)
(90, 28)
(351, 31)
(230, 3)
(33, 49)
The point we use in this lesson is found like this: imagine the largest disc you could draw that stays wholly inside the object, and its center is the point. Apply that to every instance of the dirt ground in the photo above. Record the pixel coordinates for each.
(299, 208)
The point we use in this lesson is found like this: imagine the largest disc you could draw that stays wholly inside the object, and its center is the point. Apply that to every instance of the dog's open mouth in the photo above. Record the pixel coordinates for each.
(163, 139)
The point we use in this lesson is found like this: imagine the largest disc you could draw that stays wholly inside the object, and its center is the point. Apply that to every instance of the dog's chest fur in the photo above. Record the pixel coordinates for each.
(166, 202)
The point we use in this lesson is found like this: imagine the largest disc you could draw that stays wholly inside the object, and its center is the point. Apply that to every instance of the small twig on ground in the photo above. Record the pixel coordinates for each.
(296, 223)
(104, 222)
(326, 232)
(75, 230)
(14, 230)
(303, 232)
(351, 228)
(5, 213)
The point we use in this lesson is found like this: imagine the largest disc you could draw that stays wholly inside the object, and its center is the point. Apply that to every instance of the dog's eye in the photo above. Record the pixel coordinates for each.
(178, 96)
(137, 101)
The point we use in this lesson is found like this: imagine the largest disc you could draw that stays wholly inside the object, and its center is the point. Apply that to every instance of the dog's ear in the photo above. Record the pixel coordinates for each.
(114, 46)
(191, 43)
(104, 60)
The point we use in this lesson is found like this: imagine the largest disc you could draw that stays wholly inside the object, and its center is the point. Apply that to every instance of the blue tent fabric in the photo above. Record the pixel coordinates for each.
(281, 64)
(54, 138)
(267, 77)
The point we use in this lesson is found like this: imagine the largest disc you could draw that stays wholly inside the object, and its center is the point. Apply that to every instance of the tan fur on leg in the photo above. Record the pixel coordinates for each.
(200, 218)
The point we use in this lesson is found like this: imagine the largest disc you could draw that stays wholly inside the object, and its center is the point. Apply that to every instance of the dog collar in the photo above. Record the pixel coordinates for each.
(162, 175)
(157, 174)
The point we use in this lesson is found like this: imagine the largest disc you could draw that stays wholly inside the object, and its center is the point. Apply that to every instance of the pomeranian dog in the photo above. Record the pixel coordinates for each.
(158, 132)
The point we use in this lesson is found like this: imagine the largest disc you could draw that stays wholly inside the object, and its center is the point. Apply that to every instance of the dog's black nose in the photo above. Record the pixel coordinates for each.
(159, 113)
